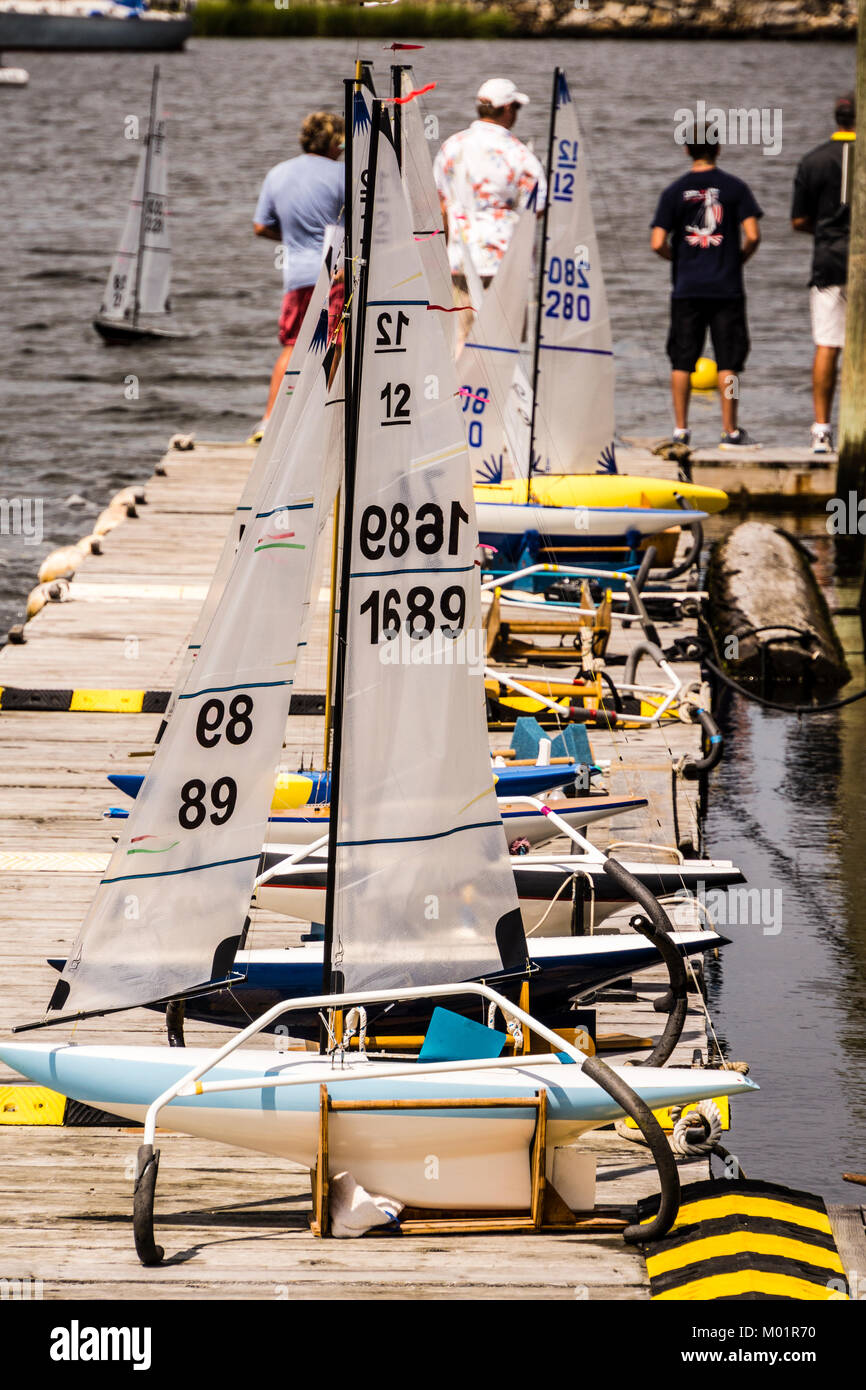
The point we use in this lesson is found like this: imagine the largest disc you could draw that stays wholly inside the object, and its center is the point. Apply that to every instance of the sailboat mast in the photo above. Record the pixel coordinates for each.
(397, 70)
(148, 145)
(542, 271)
(331, 977)
(349, 85)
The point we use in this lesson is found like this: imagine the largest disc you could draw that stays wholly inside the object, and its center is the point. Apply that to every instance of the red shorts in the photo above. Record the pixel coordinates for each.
(295, 306)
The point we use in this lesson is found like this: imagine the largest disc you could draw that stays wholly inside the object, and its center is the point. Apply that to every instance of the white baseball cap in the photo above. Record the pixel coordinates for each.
(501, 91)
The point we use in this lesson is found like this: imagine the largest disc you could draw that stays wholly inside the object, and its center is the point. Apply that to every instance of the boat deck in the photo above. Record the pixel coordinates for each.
(234, 1224)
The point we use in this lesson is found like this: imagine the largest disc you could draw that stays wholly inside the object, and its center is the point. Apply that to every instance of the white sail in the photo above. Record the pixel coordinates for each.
(574, 417)
(304, 368)
(423, 890)
(139, 279)
(361, 118)
(118, 300)
(168, 915)
(489, 359)
(155, 249)
(417, 169)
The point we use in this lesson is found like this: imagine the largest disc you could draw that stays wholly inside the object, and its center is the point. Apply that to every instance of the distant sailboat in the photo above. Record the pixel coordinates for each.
(573, 369)
(559, 418)
(135, 304)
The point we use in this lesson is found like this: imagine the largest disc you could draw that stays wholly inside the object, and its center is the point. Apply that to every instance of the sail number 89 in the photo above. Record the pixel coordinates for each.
(380, 531)
(209, 725)
(194, 809)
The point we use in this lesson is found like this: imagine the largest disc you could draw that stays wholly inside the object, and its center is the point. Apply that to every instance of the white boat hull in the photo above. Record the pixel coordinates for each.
(474, 1159)
(304, 826)
(543, 887)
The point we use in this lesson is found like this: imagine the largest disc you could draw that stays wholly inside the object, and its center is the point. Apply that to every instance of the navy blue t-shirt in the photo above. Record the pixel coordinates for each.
(703, 211)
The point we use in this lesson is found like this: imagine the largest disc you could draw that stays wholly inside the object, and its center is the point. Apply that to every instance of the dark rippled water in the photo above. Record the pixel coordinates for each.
(788, 802)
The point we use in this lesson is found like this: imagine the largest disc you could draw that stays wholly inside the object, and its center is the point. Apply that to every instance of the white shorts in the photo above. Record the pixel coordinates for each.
(828, 315)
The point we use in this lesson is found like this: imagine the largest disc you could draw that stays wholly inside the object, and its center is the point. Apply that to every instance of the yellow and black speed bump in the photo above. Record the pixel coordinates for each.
(86, 701)
(736, 1239)
(37, 1105)
(18, 698)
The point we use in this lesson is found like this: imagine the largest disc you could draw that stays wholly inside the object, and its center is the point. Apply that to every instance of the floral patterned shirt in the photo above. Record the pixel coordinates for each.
(485, 175)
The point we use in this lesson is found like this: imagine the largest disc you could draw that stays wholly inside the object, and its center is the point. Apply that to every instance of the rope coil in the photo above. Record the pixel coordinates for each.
(698, 1131)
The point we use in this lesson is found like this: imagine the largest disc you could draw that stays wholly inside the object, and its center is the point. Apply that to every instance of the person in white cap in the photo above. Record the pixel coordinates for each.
(485, 175)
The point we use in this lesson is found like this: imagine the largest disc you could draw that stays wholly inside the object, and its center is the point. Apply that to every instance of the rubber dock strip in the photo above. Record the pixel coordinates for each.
(19, 698)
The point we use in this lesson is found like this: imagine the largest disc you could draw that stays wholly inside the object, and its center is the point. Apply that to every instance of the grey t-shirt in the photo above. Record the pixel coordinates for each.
(300, 198)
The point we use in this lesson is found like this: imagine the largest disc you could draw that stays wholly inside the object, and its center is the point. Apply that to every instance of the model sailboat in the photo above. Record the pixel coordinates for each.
(573, 372)
(135, 303)
(555, 426)
(421, 894)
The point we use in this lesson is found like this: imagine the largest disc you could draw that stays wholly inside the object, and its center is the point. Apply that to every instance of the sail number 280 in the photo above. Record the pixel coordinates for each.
(566, 302)
(381, 531)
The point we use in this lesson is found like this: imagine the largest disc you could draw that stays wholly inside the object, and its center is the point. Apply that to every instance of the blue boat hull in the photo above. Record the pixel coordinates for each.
(563, 971)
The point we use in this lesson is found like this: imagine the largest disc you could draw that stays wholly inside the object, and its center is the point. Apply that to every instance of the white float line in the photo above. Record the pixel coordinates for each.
(61, 862)
(99, 593)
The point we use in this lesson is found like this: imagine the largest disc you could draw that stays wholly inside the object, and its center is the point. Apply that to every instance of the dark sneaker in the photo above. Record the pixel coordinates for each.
(737, 439)
(682, 436)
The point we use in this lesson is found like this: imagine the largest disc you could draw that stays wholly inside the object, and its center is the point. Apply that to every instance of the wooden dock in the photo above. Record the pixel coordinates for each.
(235, 1225)
(763, 478)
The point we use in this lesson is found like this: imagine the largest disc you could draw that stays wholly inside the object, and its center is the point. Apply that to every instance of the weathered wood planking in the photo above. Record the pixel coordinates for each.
(239, 1218)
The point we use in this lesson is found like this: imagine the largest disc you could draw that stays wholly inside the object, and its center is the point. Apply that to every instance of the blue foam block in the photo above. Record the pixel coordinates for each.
(452, 1038)
(573, 742)
(526, 736)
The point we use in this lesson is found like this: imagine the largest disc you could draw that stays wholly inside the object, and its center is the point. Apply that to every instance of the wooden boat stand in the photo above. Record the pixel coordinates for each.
(547, 1211)
(591, 634)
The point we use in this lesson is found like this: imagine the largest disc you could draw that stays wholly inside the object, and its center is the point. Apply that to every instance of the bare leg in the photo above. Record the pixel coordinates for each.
(681, 390)
(277, 375)
(729, 390)
(465, 319)
(824, 382)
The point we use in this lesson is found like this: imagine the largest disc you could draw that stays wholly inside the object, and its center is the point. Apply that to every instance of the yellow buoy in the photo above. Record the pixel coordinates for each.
(56, 592)
(62, 564)
(705, 377)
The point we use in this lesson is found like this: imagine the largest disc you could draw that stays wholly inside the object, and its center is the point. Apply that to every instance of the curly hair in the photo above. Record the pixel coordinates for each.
(319, 131)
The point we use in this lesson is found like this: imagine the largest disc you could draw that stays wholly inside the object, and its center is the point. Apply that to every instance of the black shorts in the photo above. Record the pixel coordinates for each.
(729, 331)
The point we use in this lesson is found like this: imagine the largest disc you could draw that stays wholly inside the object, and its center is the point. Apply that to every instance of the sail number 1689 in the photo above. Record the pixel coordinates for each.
(381, 531)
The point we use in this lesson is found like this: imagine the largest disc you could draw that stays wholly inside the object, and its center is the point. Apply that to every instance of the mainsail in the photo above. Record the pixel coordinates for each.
(490, 358)
(573, 421)
(361, 98)
(417, 170)
(421, 890)
(140, 275)
(168, 915)
(304, 370)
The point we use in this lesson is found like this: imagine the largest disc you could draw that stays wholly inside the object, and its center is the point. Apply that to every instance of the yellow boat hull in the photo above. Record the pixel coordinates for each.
(603, 490)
